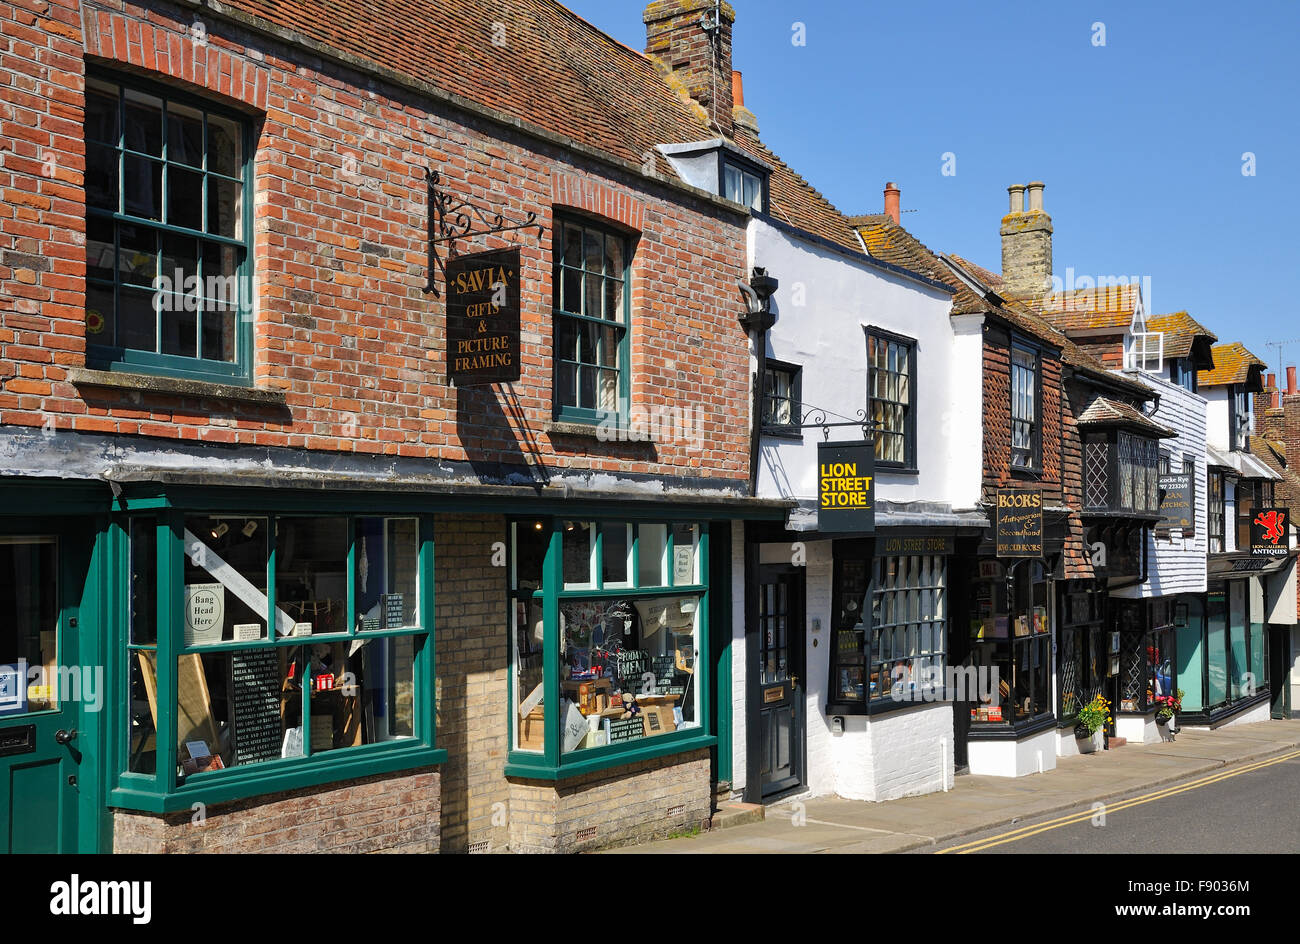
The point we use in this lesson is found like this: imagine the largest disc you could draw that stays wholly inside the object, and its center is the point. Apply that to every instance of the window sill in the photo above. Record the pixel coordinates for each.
(896, 470)
(242, 784)
(776, 432)
(882, 706)
(1009, 730)
(583, 429)
(149, 383)
(534, 766)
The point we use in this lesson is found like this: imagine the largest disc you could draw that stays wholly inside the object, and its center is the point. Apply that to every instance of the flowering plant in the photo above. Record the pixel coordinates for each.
(1094, 715)
(1169, 704)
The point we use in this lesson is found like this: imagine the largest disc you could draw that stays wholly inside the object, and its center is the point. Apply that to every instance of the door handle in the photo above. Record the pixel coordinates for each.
(794, 681)
(65, 736)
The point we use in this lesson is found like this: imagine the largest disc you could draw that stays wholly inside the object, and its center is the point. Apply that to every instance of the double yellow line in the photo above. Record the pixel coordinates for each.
(1069, 820)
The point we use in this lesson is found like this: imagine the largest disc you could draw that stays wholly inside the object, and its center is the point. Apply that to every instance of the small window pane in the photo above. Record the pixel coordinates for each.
(573, 247)
(101, 177)
(219, 339)
(225, 579)
(144, 582)
(311, 574)
(652, 548)
(615, 544)
(531, 539)
(137, 320)
(143, 123)
(184, 135)
(225, 146)
(732, 186)
(179, 321)
(387, 555)
(99, 248)
(185, 197)
(142, 179)
(101, 112)
(225, 208)
(578, 546)
(685, 539)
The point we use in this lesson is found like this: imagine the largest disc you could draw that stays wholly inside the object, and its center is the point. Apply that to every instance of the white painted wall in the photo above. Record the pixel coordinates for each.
(1217, 416)
(1032, 755)
(824, 301)
(1177, 564)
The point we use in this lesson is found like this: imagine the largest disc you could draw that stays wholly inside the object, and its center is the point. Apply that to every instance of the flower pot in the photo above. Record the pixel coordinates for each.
(1089, 744)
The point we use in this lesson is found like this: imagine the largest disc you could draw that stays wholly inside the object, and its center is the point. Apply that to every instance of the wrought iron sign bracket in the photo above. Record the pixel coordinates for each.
(816, 419)
(451, 218)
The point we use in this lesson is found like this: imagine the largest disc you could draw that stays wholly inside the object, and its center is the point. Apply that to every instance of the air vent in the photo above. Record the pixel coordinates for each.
(586, 834)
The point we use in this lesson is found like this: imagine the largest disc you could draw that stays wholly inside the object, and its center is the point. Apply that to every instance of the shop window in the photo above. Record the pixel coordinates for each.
(891, 394)
(29, 624)
(1216, 675)
(1142, 650)
(1011, 643)
(1026, 433)
(781, 398)
(285, 639)
(168, 267)
(1189, 627)
(627, 650)
(1081, 653)
(890, 631)
(1215, 511)
(591, 321)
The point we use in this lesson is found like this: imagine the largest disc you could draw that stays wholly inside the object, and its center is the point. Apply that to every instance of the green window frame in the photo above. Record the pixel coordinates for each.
(147, 540)
(646, 559)
(592, 321)
(169, 259)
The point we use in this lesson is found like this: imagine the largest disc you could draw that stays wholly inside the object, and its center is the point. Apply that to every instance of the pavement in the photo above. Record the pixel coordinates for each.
(830, 824)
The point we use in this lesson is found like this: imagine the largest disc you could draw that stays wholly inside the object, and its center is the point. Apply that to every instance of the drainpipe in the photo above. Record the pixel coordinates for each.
(757, 321)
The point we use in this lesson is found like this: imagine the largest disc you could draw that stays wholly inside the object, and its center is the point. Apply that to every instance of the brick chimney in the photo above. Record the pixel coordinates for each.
(1027, 242)
(1268, 410)
(891, 201)
(695, 50)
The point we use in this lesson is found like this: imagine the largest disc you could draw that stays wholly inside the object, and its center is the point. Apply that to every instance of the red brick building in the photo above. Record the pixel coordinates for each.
(320, 562)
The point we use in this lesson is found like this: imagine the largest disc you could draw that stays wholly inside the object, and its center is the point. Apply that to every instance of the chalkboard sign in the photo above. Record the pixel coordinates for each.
(255, 704)
(394, 610)
(632, 664)
(625, 729)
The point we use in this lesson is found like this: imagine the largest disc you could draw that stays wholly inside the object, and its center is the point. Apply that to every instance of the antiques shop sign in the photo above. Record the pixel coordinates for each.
(1268, 532)
(1019, 522)
(483, 318)
(846, 487)
(1176, 496)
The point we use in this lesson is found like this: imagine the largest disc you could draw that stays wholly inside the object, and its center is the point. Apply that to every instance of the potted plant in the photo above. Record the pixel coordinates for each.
(1167, 708)
(1091, 723)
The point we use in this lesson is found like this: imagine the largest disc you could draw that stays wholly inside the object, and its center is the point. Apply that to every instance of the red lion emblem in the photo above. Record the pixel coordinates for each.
(1271, 522)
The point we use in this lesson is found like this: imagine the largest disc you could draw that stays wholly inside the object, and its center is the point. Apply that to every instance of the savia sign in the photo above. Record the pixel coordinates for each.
(483, 318)
(846, 487)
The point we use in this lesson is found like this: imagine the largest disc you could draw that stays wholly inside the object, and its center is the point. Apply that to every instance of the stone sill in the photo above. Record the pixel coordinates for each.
(149, 383)
(593, 431)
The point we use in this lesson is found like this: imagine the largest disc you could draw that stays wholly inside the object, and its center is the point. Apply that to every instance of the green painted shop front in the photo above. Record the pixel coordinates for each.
(188, 648)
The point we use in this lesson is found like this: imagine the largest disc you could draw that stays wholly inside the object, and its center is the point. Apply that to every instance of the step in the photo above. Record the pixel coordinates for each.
(1117, 742)
(737, 814)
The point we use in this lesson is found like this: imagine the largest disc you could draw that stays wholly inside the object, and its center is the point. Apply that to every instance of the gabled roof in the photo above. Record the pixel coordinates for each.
(1232, 365)
(1104, 307)
(1181, 331)
(795, 201)
(554, 71)
(1106, 412)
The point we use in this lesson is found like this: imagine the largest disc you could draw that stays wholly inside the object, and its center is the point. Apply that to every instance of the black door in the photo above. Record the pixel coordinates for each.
(779, 680)
(1279, 670)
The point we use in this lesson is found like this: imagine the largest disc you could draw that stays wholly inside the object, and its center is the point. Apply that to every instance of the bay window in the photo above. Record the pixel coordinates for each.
(265, 651)
(609, 621)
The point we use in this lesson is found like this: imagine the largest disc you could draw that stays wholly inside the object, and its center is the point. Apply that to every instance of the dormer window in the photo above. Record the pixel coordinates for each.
(742, 186)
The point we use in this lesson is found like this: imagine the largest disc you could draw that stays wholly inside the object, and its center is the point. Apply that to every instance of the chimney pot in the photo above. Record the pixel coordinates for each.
(1035, 196)
(1017, 194)
(1270, 381)
(737, 89)
(1290, 379)
(891, 201)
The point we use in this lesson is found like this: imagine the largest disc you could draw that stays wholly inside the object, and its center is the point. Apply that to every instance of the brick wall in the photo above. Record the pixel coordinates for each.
(637, 803)
(341, 324)
(472, 617)
(387, 813)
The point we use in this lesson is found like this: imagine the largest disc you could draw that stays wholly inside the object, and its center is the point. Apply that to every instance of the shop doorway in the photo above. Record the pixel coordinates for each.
(1279, 671)
(779, 681)
(41, 693)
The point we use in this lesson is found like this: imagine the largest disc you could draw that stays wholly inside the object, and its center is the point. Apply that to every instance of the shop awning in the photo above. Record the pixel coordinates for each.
(896, 515)
(1243, 463)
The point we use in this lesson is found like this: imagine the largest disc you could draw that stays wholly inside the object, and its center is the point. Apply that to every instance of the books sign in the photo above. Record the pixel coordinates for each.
(1268, 532)
(846, 487)
(1019, 522)
(483, 318)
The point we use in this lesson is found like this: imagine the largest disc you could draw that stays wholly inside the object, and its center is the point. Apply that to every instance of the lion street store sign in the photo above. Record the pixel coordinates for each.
(483, 318)
(1268, 532)
(1019, 522)
(846, 487)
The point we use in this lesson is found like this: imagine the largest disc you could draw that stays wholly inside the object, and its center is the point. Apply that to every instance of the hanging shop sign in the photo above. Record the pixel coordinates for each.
(483, 318)
(902, 544)
(1177, 495)
(1019, 522)
(1268, 532)
(846, 487)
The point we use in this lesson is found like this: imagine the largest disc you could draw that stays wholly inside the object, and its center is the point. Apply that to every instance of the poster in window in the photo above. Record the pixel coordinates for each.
(483, 318)
(1268, 532)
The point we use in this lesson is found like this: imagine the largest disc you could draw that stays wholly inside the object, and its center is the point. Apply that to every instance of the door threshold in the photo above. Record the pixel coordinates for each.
(793, 793)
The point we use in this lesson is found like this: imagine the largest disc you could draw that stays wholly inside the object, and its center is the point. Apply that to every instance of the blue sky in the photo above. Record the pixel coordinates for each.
(1139, 141)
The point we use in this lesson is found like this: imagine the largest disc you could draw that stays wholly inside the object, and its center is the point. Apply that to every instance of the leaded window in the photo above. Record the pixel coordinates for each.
(891, 362)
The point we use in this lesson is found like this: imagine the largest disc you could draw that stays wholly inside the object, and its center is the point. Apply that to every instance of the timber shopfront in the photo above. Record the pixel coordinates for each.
(191, 669)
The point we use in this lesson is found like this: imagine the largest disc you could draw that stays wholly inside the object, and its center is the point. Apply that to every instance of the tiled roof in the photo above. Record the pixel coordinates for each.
(1180, 330)
(1109, 306)
(553, 70)
(1106, 412)
(991, 279)
(796, 201)
(1232, 364)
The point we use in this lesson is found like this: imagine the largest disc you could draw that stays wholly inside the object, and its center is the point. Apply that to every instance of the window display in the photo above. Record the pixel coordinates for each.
(1011, 639)
(315, 684)
(890, 624)
(1081, 652)
(627, 659)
